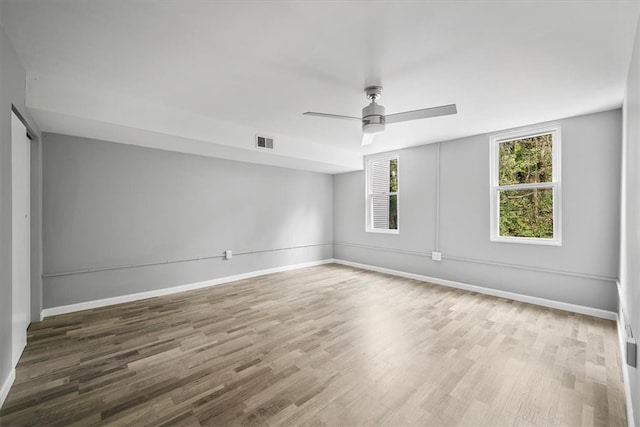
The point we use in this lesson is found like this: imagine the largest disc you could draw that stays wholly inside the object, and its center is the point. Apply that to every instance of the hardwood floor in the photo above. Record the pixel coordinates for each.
(326, 345)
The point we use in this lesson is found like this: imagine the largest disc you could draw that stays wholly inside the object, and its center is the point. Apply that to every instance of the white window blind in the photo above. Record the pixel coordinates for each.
(382, 195)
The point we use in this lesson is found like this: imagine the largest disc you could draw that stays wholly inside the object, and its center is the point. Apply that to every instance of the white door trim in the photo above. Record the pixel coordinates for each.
(21, 236)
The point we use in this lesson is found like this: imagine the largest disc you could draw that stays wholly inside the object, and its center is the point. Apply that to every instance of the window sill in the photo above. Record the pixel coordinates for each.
(527, 241)
(381, 231)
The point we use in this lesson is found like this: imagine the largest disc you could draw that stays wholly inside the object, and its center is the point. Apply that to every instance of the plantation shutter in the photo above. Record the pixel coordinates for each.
(379, 194)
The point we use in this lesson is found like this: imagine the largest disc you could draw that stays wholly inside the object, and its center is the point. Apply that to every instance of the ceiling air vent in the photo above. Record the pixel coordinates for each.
(264, 142)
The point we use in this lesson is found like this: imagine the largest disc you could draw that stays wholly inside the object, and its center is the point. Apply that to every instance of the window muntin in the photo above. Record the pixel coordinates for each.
(525, 186)
(382, 194)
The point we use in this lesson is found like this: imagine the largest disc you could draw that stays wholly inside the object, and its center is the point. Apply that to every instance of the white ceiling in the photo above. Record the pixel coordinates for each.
(205, 76)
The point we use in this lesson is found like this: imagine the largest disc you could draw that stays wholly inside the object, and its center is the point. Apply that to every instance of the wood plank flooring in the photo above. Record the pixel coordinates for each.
(327, 345)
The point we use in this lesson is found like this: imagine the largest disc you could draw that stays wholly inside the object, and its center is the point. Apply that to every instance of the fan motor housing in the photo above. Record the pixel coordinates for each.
(373, 118)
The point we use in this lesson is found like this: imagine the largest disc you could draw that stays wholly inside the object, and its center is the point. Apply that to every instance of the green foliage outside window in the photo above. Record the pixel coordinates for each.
(393, 199)
(526, 212)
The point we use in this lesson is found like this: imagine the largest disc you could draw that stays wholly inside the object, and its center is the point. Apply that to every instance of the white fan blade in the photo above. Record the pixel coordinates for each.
(421, 114)
(331, 116)
(367, 138)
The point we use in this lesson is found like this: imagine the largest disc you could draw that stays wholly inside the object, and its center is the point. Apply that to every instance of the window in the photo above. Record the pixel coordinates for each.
(382, 194)
(525, 186)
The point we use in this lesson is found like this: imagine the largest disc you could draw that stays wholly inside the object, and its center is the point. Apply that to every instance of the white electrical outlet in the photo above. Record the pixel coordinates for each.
(436, 256)
(228, 254)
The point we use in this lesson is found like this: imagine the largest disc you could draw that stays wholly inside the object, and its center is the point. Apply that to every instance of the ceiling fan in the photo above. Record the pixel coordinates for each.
(373, 117)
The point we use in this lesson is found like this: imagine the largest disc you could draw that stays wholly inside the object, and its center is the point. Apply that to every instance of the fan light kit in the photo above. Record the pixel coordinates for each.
(374, 120)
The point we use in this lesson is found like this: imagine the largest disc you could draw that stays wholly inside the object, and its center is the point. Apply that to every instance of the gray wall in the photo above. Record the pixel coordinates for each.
(582, 271)
(630, 244)
(112, 205)
(12, 92)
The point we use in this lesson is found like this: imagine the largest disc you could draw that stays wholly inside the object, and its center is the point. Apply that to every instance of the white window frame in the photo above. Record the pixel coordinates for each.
(368, 193)
(555, 184)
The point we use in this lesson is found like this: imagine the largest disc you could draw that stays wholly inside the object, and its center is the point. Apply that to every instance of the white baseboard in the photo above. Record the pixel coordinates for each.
(459, 285)
(174, 289)
(604, 314)
(4, 391)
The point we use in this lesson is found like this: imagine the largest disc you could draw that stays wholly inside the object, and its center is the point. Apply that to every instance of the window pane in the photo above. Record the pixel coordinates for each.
(393, 176)
(527, 213)
(526, 160)
(393, 212)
